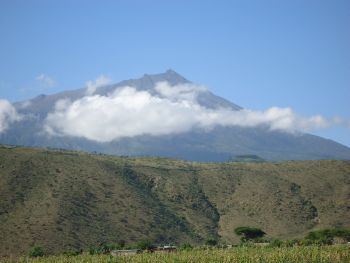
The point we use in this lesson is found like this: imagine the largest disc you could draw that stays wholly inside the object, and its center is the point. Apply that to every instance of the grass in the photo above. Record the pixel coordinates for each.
(310, 254)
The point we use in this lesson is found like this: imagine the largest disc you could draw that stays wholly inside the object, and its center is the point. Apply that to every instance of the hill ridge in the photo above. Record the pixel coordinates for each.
(65, 199)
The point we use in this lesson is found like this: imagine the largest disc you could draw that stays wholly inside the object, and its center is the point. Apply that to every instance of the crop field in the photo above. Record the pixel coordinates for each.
(314, 254)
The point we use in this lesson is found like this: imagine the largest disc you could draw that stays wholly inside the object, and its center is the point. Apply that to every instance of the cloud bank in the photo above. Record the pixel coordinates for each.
(8, 115)
(128, 112)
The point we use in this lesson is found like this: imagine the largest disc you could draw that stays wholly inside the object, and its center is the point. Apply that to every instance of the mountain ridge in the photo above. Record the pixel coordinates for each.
(216, 144)
(147, 82)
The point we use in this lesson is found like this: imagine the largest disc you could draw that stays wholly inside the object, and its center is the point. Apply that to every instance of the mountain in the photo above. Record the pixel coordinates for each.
(219, 143)
(63, 199)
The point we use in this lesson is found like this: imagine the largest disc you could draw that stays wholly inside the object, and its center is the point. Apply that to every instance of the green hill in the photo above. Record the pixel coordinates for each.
(64, 199)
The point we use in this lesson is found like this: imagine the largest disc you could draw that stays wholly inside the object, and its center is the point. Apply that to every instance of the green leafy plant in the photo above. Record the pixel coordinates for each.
(36, 251)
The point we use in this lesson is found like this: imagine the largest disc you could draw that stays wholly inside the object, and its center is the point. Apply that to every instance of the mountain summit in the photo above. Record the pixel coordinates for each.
(159, 115)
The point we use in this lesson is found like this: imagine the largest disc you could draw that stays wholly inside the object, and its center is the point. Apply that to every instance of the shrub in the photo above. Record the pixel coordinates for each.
(72, 252)
(186, 246)
(93, 251)
(144, 244)
(249, 233)
(105, 248)
(291, 242)
(307, 242)
(36, 251)
(211, 242)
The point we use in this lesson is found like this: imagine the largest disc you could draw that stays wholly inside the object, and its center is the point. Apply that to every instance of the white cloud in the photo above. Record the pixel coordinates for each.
(185, 91)
(128, 112)
(46, 81)
(8, 115)
(91, 86)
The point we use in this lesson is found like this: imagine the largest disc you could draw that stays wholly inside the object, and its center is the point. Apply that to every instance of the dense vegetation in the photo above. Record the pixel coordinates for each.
(250, 237)
(311, 254)
(328, 236)
(68, 201)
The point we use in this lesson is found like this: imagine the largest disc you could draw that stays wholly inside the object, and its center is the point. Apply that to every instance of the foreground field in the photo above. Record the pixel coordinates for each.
(312, 254)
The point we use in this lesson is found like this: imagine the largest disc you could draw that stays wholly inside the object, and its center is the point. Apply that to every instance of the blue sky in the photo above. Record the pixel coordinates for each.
(257, 54)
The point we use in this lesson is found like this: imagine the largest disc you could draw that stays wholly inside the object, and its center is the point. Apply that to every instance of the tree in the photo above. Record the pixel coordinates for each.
(249, 233)
(36, 251)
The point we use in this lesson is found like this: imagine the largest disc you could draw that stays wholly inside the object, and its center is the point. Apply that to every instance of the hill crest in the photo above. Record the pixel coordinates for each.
(64, 199)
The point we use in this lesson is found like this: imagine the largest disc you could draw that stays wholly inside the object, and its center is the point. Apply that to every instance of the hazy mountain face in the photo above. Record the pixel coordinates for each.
(167, 115)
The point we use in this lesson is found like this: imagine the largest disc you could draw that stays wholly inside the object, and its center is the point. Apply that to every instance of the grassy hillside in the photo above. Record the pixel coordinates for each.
(63, 200)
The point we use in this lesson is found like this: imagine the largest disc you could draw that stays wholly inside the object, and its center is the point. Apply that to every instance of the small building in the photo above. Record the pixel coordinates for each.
(339, 241)
(164, 249)
(125, 252)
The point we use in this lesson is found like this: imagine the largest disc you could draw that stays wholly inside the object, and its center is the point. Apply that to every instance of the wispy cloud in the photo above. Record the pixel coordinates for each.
(91, 86)
(128, 112)
(8, 115)
(41, 84)
(45, 81)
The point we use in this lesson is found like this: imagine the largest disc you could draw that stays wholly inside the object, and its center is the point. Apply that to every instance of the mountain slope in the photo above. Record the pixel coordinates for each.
(216, 144)
(63, 199)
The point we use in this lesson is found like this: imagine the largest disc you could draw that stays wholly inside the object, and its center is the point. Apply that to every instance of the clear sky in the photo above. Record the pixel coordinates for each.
(257, 54)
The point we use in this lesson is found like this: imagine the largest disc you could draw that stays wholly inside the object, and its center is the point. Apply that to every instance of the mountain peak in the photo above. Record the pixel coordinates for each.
(172, 72)
(170, 76)
(149, 80)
